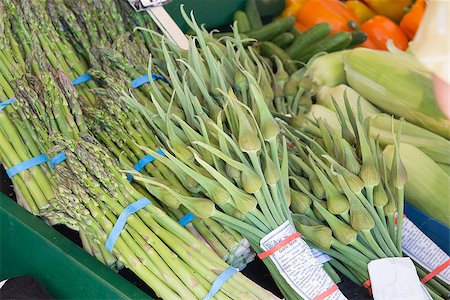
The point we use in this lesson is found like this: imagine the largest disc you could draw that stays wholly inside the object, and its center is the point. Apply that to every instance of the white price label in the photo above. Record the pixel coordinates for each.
(297, 265)
(140, 5)
(320, 256)
(395, 279)
(423, 250)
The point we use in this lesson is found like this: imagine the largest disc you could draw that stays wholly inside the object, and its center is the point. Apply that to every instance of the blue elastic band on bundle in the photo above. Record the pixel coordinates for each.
(122, 220)
(82, 79)
(6, 103)
(57, 159)
(145, 79)
(220, 280)
(25, 165)
(186, 219)
(143, 162)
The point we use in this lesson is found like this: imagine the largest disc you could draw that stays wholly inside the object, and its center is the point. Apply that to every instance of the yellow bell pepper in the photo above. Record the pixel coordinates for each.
(292, 10)
(393, 9)
(291, 2)
(362, 11)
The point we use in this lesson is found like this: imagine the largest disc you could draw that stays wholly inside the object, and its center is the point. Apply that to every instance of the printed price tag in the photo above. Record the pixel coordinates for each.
(320, 256)
(423, 250)
(298, 266)
(140, 5)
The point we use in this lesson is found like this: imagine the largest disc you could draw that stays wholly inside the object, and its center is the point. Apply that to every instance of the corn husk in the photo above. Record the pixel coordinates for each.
(319, 111)
(328, 69)
(327, 95)
(435, 146)
(397, 84)
(428, 186)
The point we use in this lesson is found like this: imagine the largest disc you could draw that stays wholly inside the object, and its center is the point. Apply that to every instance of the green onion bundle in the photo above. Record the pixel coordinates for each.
(348, 195)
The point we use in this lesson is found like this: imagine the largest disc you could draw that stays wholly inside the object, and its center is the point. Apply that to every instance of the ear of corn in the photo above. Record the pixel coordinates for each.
(406, 90)
(328, 69)
(445, 168)
(435, 146)
(428, 186)
(380, 127)
(319, 111)
(327, 95)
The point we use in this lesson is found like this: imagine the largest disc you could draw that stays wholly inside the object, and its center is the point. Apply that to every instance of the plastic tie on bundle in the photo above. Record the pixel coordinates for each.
(122, 220)
(82, 79)
(5, 103)
(436, 271)
(146, 79)
(25, 165)
(57, 159)
(367, 284)
(220, 280)
(143, 162)
(280, 245)
(186, 219)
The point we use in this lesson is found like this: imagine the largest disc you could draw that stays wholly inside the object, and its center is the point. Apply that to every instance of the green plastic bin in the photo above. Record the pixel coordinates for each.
(29, 247)
(218, 13)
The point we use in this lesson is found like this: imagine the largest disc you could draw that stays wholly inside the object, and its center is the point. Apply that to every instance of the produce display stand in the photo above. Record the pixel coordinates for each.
(30, 247)
(54, 256)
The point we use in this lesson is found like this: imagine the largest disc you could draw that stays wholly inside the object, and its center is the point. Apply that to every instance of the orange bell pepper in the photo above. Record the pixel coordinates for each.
(379, 30)
(361, 10)
(393, 9)
(411, 21)
(332, 12)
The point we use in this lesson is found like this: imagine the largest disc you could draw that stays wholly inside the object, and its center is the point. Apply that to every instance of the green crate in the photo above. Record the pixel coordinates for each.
(29, 247)
(218, 13)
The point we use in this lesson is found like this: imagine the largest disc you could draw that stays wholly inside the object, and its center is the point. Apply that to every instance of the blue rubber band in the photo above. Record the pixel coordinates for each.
(6, 103)
(82, 79)
(57, 159)
(143, 162)
(122, 220)
(145, 79)
(25, 165)
(220, 280)
(186, 219)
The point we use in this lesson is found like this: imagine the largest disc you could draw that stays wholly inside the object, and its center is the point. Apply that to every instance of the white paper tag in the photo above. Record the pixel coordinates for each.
(395, 279)
(320, 256)
(3, 283)
(140, 5)
(168, 26)
(298, 266)
(423, 250)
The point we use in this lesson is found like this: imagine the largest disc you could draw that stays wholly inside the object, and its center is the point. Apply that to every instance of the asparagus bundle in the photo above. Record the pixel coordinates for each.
(25, 127)
(346, 200)
(27, 22)
(91, 195)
